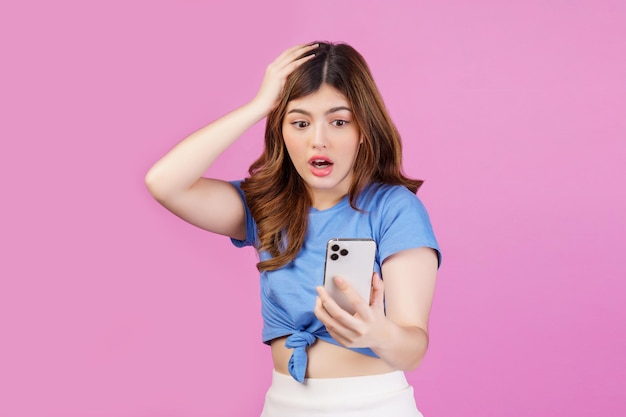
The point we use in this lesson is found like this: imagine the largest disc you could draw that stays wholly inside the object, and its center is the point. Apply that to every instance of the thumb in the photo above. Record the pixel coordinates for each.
(378, 291)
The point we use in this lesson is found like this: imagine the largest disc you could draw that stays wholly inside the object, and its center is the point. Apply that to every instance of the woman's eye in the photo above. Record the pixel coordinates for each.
(340, 122)
(300, 124)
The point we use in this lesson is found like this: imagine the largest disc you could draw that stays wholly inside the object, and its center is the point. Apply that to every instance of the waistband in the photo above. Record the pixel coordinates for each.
(361, 385)
(361, 396)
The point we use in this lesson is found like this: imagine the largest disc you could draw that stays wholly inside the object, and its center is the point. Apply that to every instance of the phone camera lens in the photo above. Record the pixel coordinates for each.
(335, 248)
(344, 252)
(334, 256)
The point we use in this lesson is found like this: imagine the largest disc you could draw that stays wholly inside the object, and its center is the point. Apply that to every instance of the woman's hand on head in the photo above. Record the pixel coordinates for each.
(366, 328)
(277, 72)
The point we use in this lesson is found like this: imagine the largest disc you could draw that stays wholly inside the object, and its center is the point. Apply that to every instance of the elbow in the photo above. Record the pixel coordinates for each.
(151, 182)
(414, 359)
(155, 185)
(414, 362)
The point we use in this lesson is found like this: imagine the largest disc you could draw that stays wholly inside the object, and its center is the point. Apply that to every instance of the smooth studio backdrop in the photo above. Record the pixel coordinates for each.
(513, 112)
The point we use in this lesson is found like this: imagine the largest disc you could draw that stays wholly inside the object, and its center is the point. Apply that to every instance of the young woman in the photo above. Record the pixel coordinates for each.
(331, 167)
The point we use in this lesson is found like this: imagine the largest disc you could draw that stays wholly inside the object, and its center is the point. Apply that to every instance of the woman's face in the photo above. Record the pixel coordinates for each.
(322, 139)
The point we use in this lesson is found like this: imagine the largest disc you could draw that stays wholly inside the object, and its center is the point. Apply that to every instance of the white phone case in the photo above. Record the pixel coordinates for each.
(353, 260)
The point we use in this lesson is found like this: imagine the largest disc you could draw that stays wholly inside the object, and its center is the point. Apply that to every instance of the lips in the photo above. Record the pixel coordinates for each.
(320, 161)
(321, 166)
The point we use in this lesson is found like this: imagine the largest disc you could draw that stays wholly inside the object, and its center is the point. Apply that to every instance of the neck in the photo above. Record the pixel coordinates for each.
(323, 201)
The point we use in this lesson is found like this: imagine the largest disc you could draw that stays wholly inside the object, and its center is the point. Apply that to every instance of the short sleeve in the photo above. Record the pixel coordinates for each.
(251, 230)
(404, 224)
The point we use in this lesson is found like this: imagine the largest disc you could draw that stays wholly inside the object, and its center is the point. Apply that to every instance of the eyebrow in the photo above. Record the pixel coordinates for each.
(332, 110)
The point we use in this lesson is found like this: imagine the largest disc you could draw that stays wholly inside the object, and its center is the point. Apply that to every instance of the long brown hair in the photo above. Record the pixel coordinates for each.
(275, 192)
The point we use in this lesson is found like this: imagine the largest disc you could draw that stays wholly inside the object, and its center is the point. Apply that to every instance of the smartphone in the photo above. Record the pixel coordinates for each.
(353, 260)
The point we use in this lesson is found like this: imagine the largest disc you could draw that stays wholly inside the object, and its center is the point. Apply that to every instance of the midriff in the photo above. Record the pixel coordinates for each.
(329, 361)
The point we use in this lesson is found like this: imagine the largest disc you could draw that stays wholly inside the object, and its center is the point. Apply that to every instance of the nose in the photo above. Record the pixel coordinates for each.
(319, 139)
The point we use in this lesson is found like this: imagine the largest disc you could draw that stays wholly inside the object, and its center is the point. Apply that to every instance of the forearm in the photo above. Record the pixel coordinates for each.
(186, 162)
(184, 165)
(402, 347)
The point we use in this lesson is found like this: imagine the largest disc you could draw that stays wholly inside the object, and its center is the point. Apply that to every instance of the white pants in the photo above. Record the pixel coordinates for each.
(386, 395)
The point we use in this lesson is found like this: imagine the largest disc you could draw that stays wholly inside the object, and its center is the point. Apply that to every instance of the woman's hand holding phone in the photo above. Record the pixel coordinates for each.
(367, 327)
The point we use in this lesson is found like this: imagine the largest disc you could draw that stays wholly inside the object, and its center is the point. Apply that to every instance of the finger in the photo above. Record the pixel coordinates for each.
(334, 327)
(295, 54)
(346, 323)
(291, 67)
(294, 49)
(378, 291)
(322, 314)
(353, 297)
(297, 58)
(301, 49)
(327, 302)
(333, 309)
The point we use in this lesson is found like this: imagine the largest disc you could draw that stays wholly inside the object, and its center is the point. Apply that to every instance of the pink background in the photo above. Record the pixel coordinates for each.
(513, 112)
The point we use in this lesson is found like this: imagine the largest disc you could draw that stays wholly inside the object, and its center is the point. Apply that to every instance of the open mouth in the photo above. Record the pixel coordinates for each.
(320, 163)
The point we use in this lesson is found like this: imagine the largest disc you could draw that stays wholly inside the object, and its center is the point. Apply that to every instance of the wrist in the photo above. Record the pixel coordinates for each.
(384, 341)
(402, 347)
(260, 106)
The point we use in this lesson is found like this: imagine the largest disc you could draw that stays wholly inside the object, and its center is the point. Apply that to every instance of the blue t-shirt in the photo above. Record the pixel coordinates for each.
(392, 215)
